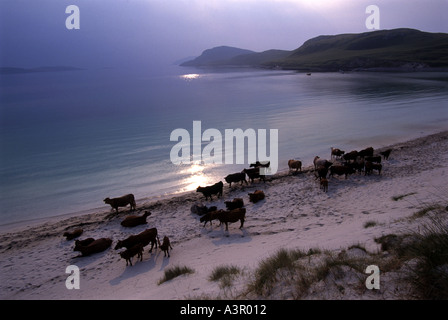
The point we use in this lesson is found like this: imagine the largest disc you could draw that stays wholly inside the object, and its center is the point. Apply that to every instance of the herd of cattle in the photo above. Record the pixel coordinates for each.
(341, 164)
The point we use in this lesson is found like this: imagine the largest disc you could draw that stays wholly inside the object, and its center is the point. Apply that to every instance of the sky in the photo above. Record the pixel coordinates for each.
(112, 33)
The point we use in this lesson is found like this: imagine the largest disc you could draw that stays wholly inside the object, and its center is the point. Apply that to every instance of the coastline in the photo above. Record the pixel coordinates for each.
(34, 256)
(378, 142)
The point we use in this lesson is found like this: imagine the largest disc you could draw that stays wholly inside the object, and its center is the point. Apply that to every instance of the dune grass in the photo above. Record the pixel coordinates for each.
(402, 196)
(173, 272)
(429, 275)
(225, 275)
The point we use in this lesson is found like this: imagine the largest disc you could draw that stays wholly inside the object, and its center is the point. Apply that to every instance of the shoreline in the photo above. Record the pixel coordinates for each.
(17, 226)
(295, 214)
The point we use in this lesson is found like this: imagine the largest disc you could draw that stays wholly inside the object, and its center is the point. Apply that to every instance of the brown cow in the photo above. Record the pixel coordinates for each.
(295, 164)
(210, 216)
(95, 246)
(234, 204)
(121, 202)
(73, 234)
(258, 195)
(232, 216)
(134, 220)
(131, 252)
(144, 237)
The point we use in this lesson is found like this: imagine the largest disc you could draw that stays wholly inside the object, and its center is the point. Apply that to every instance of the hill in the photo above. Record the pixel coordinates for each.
(229, 56)
(398, 48)
(216, 56)
(401, 49)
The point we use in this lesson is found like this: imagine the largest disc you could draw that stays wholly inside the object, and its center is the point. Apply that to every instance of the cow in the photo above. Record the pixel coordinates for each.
(73, 234)
(254, 173)
(341, 170)
(376, 159)
(321, 172)
(336, 153)
(95, 246)
(137, 249)
(227, 217)
(366, 152)
(321, 162)
(211, 190)
(234, 204)
(352, 155)
(144, 237)
(259, 164)
(199, 209)
(236, 177)
(210, 216)
(258, 195)
(295, 164)
(82, 243)
(386, 153)
(133, 220)
(123, 201)
(370, 166)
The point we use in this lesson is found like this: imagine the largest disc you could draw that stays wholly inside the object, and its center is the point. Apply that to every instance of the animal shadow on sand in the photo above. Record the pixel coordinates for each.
(83, 261)
(138, 267)
(165, 260)
(231, 237)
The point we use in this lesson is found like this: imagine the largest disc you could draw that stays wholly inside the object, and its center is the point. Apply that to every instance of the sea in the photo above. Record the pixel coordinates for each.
(69, 139)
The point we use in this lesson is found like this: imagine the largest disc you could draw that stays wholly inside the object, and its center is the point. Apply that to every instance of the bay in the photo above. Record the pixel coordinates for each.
(70, 139)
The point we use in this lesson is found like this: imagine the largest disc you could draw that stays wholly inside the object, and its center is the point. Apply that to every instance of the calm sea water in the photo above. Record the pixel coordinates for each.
(70, 139)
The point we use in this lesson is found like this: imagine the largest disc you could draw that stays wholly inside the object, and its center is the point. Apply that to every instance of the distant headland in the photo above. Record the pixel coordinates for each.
(384, 50)
(13, 70)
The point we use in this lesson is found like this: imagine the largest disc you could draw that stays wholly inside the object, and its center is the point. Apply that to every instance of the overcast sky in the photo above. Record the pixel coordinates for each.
(141, 32)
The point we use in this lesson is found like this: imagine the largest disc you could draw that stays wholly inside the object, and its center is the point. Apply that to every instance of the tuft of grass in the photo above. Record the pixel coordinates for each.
(225, 275)
(266, 273)
(396, 198)
(369, 224)
(174, 272)
(426, 209)
(281, 264)
(222, 271)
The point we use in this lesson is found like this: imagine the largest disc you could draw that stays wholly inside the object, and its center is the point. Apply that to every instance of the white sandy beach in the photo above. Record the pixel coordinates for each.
(295, 214)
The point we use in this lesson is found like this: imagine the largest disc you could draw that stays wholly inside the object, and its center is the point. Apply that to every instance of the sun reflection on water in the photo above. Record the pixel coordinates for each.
(195, 177)
(190, 76)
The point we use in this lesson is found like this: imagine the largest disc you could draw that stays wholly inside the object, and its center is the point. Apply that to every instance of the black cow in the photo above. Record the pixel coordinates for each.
(341, 170)
(211, 190)
(236, 177)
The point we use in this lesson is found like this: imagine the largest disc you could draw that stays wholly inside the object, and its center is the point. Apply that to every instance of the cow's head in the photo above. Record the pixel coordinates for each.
(119, 245)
